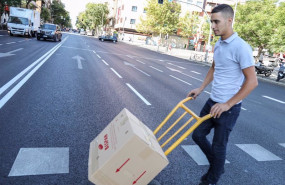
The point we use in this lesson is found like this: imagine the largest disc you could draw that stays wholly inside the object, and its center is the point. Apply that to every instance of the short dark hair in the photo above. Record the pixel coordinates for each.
(225, 9)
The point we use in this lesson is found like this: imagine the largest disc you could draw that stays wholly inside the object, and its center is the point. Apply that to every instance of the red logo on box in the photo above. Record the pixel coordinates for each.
(106, 142)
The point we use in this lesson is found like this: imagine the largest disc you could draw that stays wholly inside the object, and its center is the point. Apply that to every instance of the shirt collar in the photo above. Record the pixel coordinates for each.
(230, 39)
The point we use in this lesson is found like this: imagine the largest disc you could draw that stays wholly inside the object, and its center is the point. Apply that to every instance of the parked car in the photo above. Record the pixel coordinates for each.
(108, 38)
(90, 32)
(49, 31)
(82, 31)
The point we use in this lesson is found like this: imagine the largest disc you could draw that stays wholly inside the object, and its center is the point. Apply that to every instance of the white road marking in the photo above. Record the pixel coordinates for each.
(243, 108)
(140, 70)
(11, 43)
(116, 73)
(129, 56)
(98, 56)
(274, 99)
(282, 144)
(22, 41)
(105, 62)
(94, 52)
(180, 80)
(7, 97)
(207, 92)
(78, 58)
(138, 94)
(196, 154)
(140, 61)
(39, 161)
(196, 72)
(0, 44)
(192, 77)
(161, 60)
(176, 65)
(155, 68)
(258, 152)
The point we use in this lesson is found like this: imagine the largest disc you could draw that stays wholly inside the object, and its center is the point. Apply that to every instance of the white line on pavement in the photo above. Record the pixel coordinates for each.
(141, 71)
(22, 41)
(207, 92)
(138, 94)
(98, 56)
(180, 80)
(129, 56)
(282, 144)
(274, 99)
(155, 68)
(140, 61)
(176, 65)
(105, 62)
(116, 73)
(94, 52)
(7, 97)
(192, 77)
(10, 42)
(0, 44)
(243, 108)
(258, 152)
(196, 72)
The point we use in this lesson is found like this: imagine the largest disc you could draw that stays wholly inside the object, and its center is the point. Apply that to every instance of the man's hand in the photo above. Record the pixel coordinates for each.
(218, 109)
(194, 93)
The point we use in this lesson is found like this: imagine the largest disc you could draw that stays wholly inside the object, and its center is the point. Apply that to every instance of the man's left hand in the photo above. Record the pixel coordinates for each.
(218, 109)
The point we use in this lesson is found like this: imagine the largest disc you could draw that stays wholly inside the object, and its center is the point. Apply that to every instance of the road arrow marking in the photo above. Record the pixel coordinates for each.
(122, 165)
(10, 53)
(78, 58)
(139, 177)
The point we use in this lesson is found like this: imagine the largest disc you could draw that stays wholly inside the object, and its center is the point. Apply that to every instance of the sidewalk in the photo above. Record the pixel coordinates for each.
(185, 54)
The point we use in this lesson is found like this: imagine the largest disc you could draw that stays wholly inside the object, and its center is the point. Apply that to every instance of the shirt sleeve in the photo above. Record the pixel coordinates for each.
(245, 56)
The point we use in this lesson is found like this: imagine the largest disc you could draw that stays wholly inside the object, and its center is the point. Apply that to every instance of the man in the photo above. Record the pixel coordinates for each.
(233, 76)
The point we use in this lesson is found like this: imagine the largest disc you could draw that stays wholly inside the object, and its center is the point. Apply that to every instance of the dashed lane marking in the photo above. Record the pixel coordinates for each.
(196, 72)
(274, 99)
(282, 144)
(258, 152)
(176, 65)
(140, 61)
(180, 80)
(11, 43)
(138, 94)
(116, 73)
(156, 69)
(98, 56)
(105, 62)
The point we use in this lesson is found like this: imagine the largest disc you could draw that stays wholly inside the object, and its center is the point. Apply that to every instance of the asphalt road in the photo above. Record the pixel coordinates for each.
(60, 96)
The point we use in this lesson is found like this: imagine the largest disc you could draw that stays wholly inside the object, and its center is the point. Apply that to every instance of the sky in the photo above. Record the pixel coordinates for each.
(74, 7)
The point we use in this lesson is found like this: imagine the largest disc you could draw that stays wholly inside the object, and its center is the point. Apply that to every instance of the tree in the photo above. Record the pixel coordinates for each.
(160, 18)
(254, 22)
(96, 15)
(45, 15)
(59, 15)
(277, 42)
(188, 24)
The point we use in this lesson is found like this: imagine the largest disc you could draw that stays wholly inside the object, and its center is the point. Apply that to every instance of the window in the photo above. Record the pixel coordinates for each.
(190, 1)
(134, 8)
(133, 21)
(144, 10)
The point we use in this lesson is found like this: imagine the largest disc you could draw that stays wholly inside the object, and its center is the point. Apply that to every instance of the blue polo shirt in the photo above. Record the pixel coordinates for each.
(230, 56)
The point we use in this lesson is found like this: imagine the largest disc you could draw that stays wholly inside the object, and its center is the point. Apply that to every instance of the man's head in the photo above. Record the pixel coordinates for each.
(222, 18)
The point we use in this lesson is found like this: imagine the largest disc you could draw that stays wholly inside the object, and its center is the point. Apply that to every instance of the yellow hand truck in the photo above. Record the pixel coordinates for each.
(198, 119)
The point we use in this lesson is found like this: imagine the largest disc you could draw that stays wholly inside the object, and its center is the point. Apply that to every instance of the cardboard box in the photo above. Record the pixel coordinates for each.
(125, 153)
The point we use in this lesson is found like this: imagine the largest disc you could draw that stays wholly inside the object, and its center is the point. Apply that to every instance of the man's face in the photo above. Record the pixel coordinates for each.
(220, 24)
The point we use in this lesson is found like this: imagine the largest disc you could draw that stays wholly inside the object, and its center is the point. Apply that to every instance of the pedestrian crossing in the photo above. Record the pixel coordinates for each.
(255, 151)
(40, 161)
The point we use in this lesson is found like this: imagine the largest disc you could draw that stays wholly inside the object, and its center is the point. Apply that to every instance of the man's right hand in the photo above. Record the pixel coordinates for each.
(194, 93)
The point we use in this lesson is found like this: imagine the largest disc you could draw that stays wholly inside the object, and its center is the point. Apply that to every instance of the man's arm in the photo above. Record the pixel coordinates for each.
(249, 84)
(209, 78)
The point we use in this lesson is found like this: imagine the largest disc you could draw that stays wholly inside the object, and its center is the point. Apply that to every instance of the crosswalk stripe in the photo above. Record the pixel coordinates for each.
(197, 155)
(258, 152)
(39, 161)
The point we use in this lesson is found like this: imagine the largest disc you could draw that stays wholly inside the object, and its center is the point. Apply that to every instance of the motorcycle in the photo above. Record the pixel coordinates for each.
(281, 71)
(262, 69)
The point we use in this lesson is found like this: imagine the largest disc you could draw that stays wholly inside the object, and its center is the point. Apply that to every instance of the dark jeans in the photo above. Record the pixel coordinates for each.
(215, 152)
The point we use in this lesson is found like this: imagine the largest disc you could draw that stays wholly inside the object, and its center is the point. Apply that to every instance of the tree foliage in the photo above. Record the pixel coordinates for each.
(93, 17)
(160, 18)
(256, 22)
(45, 14)
(188, 24)
(59, 15)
